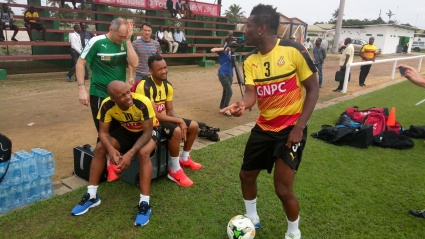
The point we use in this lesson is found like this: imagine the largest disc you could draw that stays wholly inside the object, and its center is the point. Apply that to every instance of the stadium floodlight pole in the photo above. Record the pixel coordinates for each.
(338, 26)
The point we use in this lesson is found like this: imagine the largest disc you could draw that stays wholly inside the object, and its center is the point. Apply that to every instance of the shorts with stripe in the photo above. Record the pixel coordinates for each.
(168, 127)
(264, 147)
(127, 139)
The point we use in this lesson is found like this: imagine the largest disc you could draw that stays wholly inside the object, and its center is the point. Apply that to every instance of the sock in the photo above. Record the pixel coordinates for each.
(293, 226)
(185, 155)
(251, 209)
(108, 161)
(92, 190)
(175, 164)
(144, 198)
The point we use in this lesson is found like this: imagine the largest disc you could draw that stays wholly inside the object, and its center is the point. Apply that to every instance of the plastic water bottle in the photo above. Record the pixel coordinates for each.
(50, 163)
(14, 174)
(4, 184)
(4, 200)
(31, 191)
(29, 166)
(41, 162)
(46, 187)
(16, 196)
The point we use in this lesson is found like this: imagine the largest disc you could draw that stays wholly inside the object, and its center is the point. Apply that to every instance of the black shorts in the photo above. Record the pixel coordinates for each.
(36, 26)
(127, 139)
(264, 147)
(167, 128)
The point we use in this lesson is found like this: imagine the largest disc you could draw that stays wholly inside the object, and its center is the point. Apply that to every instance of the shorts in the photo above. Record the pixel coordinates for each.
(264, 147)
(127, 139)
(36, 26)
(167, 128)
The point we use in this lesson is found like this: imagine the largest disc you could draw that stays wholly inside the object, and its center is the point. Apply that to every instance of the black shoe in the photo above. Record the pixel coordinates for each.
(417, 213)
(337, 90)
(14, 39)
(1, 39)
(361, 85)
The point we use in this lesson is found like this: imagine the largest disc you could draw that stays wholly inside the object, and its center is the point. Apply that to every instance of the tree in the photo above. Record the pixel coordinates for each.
(335, 14)
(390, 14)
(234, 12)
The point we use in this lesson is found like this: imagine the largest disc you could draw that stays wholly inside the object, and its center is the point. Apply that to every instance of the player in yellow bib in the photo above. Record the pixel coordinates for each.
(367, 53)
(281, 77)
(135, 136)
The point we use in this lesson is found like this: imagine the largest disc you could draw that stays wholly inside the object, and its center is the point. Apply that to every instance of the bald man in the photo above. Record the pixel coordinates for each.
(134, 136)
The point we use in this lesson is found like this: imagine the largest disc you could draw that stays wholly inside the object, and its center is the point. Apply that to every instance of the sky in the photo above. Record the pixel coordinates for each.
(311, 11)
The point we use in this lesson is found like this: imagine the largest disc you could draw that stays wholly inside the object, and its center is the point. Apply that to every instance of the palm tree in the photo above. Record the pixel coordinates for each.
(390, 14)
(335, 14)
(234, 12)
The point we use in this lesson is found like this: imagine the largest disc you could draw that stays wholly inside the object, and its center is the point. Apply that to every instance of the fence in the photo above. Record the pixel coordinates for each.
(395, 60)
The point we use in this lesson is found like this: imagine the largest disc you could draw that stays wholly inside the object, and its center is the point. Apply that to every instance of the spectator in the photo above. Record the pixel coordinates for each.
(72, 1)
(144, 47)
(31, 19)
(75, 50)
(368, 53)
(287, 92)
(292, 38)
(170, 8)
(6, 23)
(319, 55)
(188, 13)
(109, 55)
(159, 36)
(181, 40)
(172, 45)
(405, 47)
(225, 76)
(135, 136)
(85, 38)
(308, 44)
(345, 59)
(175, 128)
(180, 9)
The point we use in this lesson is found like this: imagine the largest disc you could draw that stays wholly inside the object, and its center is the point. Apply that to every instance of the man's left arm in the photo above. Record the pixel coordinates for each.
(147, 126)
(132, 58)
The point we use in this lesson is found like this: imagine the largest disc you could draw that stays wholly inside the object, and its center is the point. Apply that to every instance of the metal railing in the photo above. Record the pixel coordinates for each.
(395, 60)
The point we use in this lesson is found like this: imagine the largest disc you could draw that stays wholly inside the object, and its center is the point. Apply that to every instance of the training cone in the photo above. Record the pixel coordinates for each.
(391, 118)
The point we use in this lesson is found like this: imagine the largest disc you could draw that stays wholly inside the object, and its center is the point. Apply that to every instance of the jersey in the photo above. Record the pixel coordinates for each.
(277, 78)
(369, 51)
(108, 61)
(29, 14)
(131, 119)
(159, 94)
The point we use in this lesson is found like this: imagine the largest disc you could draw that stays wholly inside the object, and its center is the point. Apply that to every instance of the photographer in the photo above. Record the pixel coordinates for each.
(225, 76)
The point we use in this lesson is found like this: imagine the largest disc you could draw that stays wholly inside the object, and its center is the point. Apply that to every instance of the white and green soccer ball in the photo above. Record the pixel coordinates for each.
(240, 227)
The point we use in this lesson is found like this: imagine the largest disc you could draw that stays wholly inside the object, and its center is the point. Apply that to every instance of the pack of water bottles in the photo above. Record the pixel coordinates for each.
(28, 178)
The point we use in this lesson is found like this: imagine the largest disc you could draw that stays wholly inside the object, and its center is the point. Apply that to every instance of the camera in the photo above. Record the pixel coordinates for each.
(402, 70)
(234, 42)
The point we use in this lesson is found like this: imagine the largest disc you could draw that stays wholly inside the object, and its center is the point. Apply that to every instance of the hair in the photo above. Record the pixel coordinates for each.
(146, 24)
(348, 39)
(153, 58)
(76, 26)
(117, 23)
(267, 15)
(320, 39)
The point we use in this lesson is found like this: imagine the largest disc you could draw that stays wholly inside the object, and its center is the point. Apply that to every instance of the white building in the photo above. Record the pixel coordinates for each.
(389, 37)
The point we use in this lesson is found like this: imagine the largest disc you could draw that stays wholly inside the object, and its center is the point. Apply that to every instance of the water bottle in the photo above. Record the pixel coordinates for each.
(4, 184)
(31, 191)
(46, 187)
(15, 171)
(4, 200)
(41, 162)
(16, 196)
(32, 167)
(50, 163)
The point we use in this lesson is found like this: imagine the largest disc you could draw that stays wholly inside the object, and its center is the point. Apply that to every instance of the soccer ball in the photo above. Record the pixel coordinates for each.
(240, 227)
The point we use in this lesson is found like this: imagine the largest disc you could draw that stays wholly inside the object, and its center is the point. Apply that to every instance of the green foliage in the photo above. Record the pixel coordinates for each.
(344, 192)
(234, 12)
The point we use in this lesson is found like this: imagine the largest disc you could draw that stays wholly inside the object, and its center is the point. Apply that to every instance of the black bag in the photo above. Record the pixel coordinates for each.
(339, 76)
(359, 138)
(83, 156)
(417, 132)
(5, 153)
(390, 139)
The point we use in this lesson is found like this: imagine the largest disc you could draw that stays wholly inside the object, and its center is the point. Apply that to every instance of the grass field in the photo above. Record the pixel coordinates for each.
(344, 192)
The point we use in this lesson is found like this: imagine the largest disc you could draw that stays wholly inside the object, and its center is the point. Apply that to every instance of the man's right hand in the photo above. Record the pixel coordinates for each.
(83, 97)
(183, 128)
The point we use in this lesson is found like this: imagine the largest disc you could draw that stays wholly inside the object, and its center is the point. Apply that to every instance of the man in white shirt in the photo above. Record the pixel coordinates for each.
(181, 40)
(346, 58)
(172, 45)
(75, 50)
(6, 22)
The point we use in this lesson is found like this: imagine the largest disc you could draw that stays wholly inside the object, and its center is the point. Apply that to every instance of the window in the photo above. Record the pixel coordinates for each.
(380, 35)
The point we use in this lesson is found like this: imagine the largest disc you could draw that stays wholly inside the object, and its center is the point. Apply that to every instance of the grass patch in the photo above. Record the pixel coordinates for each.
(344, 192)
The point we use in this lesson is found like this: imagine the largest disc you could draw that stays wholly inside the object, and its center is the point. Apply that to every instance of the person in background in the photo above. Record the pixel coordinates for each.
(281, 77)
(319, 55)
(6, 23)
(181, 40)
(85, 38)
(31, 19)
(170, 8)
(225, 76)
(308, 44)
(172, 45)
(368, 53)
(72, 1)
(345, 58)
(75, 50)
(180, 9)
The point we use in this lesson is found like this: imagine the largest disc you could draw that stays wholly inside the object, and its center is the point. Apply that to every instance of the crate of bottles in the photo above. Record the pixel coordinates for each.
(28, 178)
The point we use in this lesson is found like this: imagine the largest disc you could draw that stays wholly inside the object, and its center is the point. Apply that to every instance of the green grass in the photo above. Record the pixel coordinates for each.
(344, 192)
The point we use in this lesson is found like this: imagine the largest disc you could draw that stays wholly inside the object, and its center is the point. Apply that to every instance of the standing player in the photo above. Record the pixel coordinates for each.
(367, 53)
(275, 73)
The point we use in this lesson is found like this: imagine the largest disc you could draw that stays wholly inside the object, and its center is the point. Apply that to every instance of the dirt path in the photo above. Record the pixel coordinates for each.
(42, 110)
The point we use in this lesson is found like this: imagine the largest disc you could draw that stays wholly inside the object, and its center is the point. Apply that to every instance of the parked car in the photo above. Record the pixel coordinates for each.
(418, 46)
(357, 44)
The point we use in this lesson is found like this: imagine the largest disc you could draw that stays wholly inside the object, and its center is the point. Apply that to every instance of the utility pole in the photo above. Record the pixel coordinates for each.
(338, 26)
